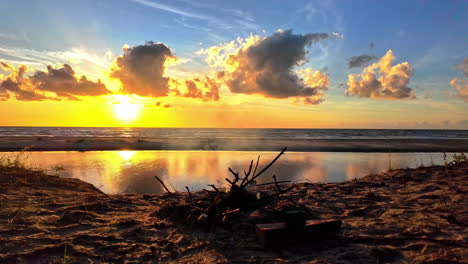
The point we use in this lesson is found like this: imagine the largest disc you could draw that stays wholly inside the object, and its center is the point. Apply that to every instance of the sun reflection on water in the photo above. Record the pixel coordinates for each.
(133, 171)
(126, 154)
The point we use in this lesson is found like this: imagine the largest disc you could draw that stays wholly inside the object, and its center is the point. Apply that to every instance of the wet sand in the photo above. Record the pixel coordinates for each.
(262, 144)
(406, 215)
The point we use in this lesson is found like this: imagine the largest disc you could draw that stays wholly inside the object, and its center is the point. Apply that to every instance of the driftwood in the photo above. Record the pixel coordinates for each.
(164, 185)
(218, 206)
(278, 234)
(189, 193)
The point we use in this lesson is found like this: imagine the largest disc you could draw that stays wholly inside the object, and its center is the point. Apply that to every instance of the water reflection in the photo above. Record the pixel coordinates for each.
(132, 171)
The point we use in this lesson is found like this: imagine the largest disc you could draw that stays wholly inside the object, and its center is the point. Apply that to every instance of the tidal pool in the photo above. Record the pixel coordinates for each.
(133, 171)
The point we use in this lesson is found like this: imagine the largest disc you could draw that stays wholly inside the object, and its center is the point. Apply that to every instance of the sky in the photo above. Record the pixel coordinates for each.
(213, 63)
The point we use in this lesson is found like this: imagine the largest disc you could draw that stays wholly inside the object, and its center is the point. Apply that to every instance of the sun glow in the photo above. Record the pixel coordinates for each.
(126, 154)
(125, 109)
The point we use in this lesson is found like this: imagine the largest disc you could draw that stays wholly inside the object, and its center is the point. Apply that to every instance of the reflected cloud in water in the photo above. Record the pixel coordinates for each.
(133, 171)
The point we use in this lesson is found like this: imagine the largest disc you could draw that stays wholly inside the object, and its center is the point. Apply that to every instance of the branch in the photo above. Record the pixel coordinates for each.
(228, 180)
(268, 166)
(248, 173)
(236, 177)
(189, 193)
(164, 185)
(214, 187)
(276, 184)
(256, 165)
(268, 183)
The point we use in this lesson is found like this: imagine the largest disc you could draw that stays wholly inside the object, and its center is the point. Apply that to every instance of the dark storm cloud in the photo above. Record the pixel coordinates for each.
(141, 69)
(360, 61)
(266, 67)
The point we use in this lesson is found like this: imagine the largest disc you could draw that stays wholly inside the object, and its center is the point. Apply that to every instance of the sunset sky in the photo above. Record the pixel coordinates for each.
(213, 63)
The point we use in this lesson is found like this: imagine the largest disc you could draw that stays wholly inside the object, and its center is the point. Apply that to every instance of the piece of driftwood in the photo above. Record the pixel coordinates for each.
(278, 234)
(163, 185)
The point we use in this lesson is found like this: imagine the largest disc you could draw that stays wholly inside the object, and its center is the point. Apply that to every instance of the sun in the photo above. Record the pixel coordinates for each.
(125, 109)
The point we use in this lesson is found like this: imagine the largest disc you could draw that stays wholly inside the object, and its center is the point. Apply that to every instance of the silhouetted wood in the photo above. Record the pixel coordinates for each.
(189, 193)
(164, 185)
(255, 176)
(268, 183)
(214, 187)
(278, 234)
(241, 197)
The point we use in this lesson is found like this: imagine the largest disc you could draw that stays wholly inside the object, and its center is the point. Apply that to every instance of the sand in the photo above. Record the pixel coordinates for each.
(246, 144)
(401, 216)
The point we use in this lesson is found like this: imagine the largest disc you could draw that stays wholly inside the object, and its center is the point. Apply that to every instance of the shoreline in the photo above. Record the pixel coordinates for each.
(10, 144)
(404, 215)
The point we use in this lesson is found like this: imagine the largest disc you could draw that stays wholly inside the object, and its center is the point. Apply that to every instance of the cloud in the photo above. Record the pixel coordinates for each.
(171, 9)
(381, 80)
(9, 85)
(266, 65)
(62, 82)
(14, 84)
(461, 85)
(55, 84)
(360, 61)
(206, 89)
(159, 103)
(461, 88)
(463, 66)
(141, 69)
(229, 18)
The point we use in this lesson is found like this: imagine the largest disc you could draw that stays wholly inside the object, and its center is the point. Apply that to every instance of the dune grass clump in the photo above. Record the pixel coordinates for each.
(18, 161)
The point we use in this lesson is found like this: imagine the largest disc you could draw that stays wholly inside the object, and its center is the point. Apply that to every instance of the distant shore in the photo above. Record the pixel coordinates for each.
(261, 144)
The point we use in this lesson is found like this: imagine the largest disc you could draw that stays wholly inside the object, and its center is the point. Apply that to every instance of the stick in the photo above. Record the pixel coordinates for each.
(276, 184)
(214, 187)
(248, 173)
(230, 182)
(189, 193)
(256, 165)
(268, 183)
(236, 177)
(268, 166)
(281, 191)
(164, 185)
(231, 211)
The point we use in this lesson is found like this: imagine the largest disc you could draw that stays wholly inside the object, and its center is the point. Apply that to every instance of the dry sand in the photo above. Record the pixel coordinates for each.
(401, 216)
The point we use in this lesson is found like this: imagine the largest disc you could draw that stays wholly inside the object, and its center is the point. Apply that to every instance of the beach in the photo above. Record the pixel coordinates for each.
(403, 215)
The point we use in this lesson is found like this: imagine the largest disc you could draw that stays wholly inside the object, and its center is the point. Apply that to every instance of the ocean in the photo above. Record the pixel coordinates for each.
(230, 133)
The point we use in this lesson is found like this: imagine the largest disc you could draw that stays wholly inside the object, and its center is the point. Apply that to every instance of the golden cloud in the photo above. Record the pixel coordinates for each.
(461, 85)
(381, 80)
(265, 66)
(55, 84)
